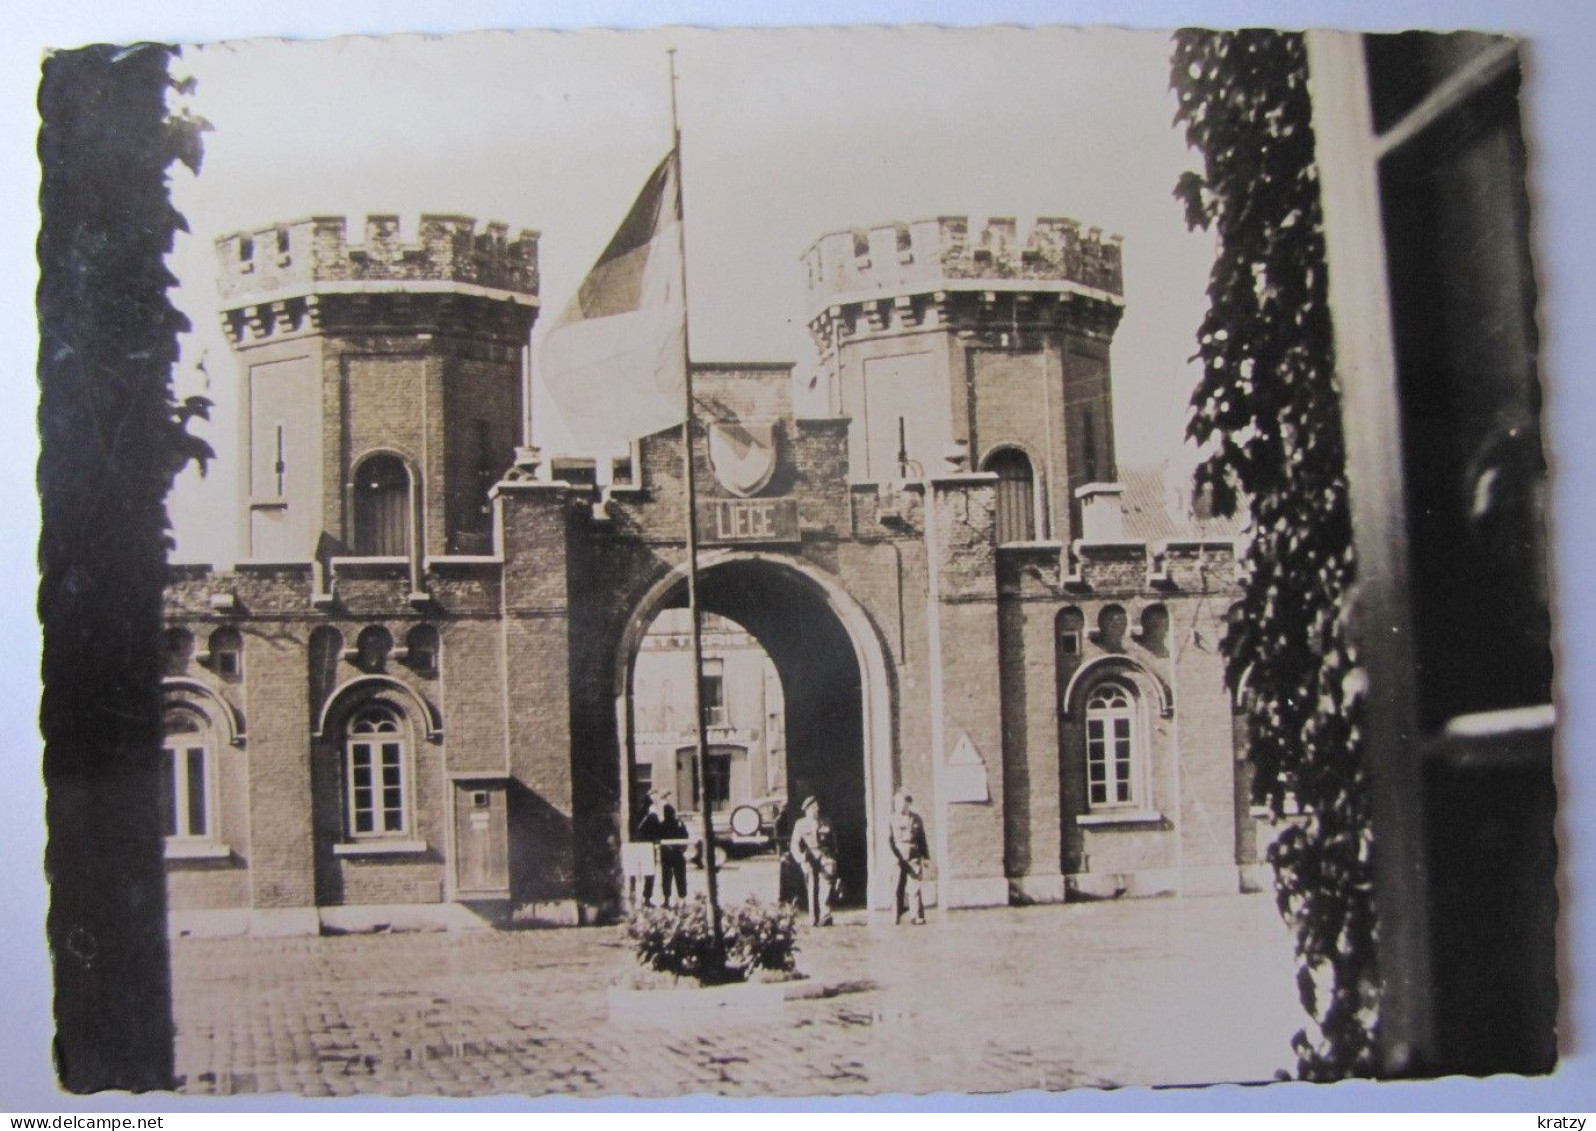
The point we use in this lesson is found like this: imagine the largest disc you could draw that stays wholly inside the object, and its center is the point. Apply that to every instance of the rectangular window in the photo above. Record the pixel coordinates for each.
(185, 803)
(1096, 763)
(393, 804)
(360, 799)
(1089, 443)
(1110, 763)
(714, 700)
(376, 788)
(719, 781)
(487, 473)
(642, 786)
(198, 823)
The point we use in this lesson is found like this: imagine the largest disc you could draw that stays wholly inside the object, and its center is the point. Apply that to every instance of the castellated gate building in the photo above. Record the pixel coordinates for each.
(412, 700)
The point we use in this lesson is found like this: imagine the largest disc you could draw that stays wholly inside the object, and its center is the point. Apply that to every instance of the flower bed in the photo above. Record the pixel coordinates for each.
(685, 978)
(757, 940)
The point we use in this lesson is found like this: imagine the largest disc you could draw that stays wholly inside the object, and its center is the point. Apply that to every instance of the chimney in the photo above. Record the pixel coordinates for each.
(1102, 516)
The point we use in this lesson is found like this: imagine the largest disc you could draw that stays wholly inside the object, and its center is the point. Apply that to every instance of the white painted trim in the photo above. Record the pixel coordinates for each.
(208, 923)
(195, 848)
(1515, 720)
(390, 560)
(282, 922)
(974, 891)
(182, 684)
(1104, 815)
(380, 846)
(1077, 681)
(1040, 888)
(358, 918)
(431, 719)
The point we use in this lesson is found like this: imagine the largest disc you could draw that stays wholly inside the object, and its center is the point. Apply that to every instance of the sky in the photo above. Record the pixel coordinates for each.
(787, 134)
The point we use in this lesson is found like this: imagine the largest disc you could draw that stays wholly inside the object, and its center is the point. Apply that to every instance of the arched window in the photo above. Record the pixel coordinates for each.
(376, 776)
(177, 648)
(382, 508)
(1113, 747)
(1016, 498)
(227, 653)
(1111, 625)
(421, 649)
(188, 796)
(1070, 634)
(372, 647)
(1155, 629)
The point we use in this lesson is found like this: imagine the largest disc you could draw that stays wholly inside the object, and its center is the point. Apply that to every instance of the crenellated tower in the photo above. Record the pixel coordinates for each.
(382, 381)
(936, 338)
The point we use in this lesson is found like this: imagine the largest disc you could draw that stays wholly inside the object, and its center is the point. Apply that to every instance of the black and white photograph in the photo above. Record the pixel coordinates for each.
(795, 562)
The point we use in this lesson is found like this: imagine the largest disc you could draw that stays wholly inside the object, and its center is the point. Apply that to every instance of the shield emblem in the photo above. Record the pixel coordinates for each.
(743, 455)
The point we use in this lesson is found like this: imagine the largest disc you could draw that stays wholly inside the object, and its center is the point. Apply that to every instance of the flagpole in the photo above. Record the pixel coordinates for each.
(711, 880)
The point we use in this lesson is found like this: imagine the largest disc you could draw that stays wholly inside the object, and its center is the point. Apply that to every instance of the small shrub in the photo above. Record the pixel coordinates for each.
(764, 937)
(678, 940)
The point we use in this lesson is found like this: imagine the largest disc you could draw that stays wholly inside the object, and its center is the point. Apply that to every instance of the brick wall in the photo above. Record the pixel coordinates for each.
(481, 427)
(960, 518)
(1031, 751)
(1018, 400)
(280, 800)
(537, 649)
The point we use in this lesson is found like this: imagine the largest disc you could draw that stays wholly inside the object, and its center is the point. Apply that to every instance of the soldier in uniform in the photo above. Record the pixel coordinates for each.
(673, 841)
(909, 848)
(814, 847)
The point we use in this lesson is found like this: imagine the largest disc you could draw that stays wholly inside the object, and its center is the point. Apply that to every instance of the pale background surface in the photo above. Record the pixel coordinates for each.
(1562, 155)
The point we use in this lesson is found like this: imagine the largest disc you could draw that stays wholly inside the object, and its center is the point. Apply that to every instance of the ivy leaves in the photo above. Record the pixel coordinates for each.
(1267, 411)
(113, 433)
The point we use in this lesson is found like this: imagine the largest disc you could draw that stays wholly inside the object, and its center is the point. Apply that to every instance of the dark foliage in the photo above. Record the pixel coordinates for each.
(763, 936)
(112, 439)
(1268, 409)
(679, 940)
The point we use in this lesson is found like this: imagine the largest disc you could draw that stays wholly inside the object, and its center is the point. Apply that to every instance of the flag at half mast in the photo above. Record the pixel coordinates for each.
(614, 361)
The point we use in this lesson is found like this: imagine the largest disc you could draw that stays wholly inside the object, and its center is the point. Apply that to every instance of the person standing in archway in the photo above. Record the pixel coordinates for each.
(910, 850)
(673, 841)
(814, 847)
(649, 830)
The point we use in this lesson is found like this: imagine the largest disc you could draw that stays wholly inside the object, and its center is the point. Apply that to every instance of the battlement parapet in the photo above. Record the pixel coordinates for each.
(925, 255)
(304, 255)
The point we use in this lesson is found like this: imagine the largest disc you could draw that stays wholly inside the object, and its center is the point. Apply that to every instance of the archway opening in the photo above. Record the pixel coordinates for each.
(759, 617)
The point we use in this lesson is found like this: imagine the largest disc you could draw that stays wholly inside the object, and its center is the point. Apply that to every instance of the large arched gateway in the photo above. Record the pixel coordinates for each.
(834, 683)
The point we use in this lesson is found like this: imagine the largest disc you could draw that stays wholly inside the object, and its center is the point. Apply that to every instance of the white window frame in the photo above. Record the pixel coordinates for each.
(1129, 748)
(176, 750)
(714, 673)
(391, 731)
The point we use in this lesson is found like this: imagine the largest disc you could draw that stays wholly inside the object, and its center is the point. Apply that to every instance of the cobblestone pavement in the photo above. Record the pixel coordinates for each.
(1134, 992)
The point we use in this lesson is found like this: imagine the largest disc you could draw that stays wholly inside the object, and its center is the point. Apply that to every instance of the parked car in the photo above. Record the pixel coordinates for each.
(743, 830)
(753, 827)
